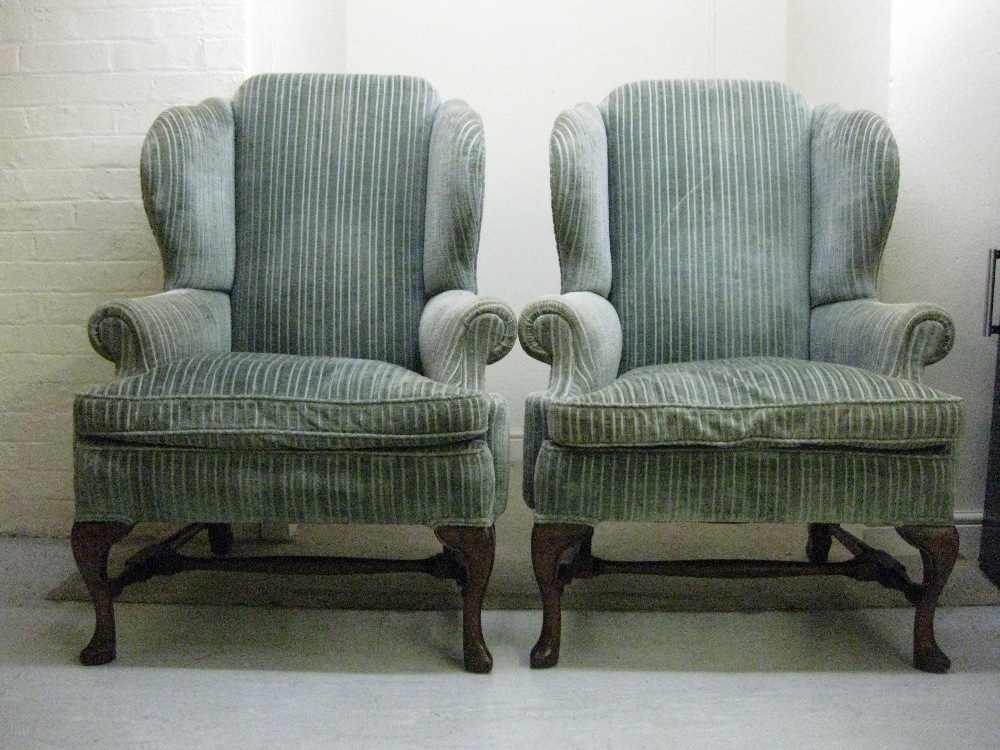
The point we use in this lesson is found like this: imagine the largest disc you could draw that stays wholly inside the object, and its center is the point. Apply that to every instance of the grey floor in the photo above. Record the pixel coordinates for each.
(242, 677)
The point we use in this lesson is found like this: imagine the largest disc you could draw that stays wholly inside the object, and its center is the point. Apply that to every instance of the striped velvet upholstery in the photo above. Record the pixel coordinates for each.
(760, 401)
(331, 180)
(709, 220)
(446, 484)
(717, 353)
(186, 171)
(855, 174)
(743, 485)
(247, 401)
(320, 352)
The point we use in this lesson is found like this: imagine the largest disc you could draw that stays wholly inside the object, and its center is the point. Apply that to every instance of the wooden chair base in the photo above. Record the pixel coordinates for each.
(562, 552)
(467, 558)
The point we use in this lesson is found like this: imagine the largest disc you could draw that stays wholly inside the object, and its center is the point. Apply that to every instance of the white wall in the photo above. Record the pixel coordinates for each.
(80, 83)
(295, 36)
(838, 51)
(944, 109)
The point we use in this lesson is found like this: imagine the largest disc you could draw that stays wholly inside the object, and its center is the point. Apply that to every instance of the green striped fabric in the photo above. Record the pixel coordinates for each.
(140, 333)
(186, 173)
(855, 174)
(743, 485)
(257, 401)
(331, 193)
(455, 182)
(761, 401)
(578, 160)
(709, 219)
(320, 353)
(460, 333)
(758, 380)
(431, 486)
(898, 339)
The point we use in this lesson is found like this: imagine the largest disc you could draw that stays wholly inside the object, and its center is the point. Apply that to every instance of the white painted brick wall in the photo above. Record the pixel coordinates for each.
(80, 83)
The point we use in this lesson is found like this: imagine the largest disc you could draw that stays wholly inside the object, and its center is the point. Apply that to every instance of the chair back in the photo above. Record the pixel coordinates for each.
(330, 192)
(709, 193)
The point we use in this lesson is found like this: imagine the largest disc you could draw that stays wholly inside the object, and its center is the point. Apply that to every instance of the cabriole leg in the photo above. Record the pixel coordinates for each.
(475, 548)
(92, 544)
(549, 542)
(938, 547)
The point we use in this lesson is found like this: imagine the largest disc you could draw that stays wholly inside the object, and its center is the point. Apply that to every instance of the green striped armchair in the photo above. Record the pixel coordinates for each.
(717, 351)
(318, 353)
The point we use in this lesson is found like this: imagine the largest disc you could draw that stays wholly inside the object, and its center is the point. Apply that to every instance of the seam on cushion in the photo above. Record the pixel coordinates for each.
(751, 407)
(458, 435)
(279, 399)
(768, 442)
(465, 448)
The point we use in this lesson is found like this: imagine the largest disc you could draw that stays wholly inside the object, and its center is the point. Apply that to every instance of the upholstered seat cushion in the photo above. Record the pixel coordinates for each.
(261, 401)
(760, 401)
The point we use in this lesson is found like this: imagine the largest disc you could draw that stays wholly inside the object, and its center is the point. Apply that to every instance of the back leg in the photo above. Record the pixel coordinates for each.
(92, 542)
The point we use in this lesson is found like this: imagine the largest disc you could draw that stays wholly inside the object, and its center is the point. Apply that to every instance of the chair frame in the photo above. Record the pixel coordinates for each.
(467, 558)
(562, 552)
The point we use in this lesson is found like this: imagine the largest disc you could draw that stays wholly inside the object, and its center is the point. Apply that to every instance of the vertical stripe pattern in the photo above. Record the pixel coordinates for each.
(455, 181)
(578, 164)
(186, 173)
(331, 182)
(743, 486)
(709, 219)
(452, 484)
(855, 176)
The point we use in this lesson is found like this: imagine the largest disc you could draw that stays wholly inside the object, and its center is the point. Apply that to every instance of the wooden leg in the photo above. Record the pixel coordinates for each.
(820, 541)
(938, 547)
(475, 547)
(92, 544)
(549, 542)
(220, 538)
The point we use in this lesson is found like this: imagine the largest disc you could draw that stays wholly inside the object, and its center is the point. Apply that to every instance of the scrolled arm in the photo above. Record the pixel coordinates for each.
(891, 339)
(137, 334)
(579, 335)
(461, 333)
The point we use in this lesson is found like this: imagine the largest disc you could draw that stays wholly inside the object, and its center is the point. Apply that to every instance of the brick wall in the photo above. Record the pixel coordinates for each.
(80, 82)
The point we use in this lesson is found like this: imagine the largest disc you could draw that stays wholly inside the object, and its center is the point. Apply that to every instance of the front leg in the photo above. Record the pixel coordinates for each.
(938, 547)
(475, 548)
(549, 542)
(92, 542)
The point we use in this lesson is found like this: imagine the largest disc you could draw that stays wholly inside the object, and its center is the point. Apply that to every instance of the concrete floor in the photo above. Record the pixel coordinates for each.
(241, 677)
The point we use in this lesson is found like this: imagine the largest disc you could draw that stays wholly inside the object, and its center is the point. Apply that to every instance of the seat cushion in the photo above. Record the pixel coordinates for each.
(260, 401)
(762, 401)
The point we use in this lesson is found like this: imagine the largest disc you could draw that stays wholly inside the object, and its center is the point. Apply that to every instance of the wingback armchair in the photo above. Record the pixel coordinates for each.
(318, 353)
(717, 351)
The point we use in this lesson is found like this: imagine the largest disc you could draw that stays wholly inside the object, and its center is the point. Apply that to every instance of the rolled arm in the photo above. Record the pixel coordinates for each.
(461, 333)
(579, 334)
(137, 334)
(891, 339)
